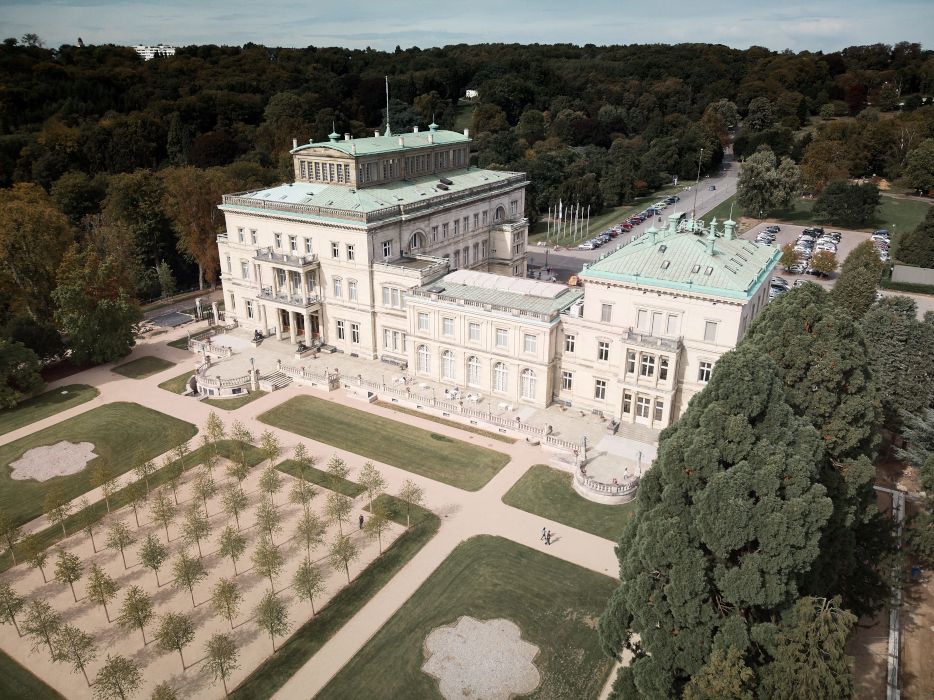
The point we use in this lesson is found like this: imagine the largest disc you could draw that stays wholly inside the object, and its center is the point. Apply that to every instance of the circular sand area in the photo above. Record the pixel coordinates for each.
(487, 660)
(60, 459)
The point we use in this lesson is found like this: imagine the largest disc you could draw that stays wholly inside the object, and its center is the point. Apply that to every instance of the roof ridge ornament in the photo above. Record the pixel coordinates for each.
(388, 130)
(333, 136)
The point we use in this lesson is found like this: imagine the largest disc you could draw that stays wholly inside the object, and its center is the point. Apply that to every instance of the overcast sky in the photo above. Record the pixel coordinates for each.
(817, 25)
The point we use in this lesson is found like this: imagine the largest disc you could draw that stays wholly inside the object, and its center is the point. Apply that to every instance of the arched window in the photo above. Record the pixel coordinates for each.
(527, 384)
(500, 377)
(424, 363)
(473, 371)
(447, 365)
(416, 241)
(500, 214)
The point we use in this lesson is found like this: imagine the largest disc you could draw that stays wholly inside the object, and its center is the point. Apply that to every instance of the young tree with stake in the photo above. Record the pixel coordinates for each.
(35, 554)
(57, 507)
(163, 691)
(205, 488)
(137, 496)
(68, 569)
(341, 553)
(175, 632)
(221, 658)
(310, 530)
(102, 479)
(270, 446)
(208, 455)
(136, 611)
(163, 511)
(268, 519)
(195, 527)
(214, 431)
(188, 571)
(181, 451)
(234, 502)
(119, 538)
(308, 582)
(372, 481)
(41, 623)
(101, 588)
(153, 554)
(377, 524)
(267, 560)
(117, 679)
(412, 495)
(270, 483)
(337, 509)
(272, 616)
(9, 533)
(232, 544)
(301, 494)
(175, 471)
(242, 438)
(75, 647)
(11, 603)
(337, 468)
(302, 459)
(225, 599)
(86, 521)
(144, 469)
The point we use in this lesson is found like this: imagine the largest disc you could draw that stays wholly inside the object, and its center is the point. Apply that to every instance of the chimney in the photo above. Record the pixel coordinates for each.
(673, 220)
(467, 133)
(651, 233)
(294, 144)
(711, 238)
(431, 138)
(729, 229)
(346, 137)
(376, 132)
(415, 129)
(401, 141)
(353, 148)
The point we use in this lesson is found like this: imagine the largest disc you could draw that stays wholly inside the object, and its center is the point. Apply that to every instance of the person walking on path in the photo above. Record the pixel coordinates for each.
(543, 533)
(361, 521)
(548, 537)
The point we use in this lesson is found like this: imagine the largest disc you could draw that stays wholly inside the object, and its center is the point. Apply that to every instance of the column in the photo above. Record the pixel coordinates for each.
(265, 321)
(292, 320)
(307, 329)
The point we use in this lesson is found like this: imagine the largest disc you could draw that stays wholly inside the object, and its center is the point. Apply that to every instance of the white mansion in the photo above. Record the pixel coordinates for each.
(393, 248)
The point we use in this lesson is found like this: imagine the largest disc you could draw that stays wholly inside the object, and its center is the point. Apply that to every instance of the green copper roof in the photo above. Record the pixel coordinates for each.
(374, 145)
(684, 261)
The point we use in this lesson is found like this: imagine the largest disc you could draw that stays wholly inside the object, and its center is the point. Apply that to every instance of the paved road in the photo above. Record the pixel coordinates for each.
(567, 262)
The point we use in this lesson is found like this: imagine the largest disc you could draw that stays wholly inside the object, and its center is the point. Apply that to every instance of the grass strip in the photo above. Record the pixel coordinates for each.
(332, 483)
(17, 682)
(98, 510)
(44, 405)
(435, 456)
(143, 367)
(549, 493)
(232, 404)
(310, 637)
(445, 421)
(177, 385)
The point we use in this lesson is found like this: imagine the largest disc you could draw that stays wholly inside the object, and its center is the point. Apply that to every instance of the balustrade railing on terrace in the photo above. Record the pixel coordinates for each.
(648, 340)
(269, 255)
(220, 383)
(207, 347)
(624, 488)
(286, 298)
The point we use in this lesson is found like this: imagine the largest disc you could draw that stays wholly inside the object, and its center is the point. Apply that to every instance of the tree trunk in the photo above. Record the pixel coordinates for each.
(136, 515)
(205, 507)
(64, 532)
(44, 579)
(200, 555)
(312, 601)
(167, 540)
(93, 543)
(106, 612)
(158, 585)
(13, 554)
(237, 518)
(73, 591)
(192, 591)
(270, 636)
(272, 586)
(235, 566)
(107, 501)
(86, 679)
(347, 569)
(143, 630)
(18, 633)
(184, 667)
(200, 277)
(123, 556)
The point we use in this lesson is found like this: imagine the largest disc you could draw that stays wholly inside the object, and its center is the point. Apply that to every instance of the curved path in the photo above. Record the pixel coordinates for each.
(464, 514)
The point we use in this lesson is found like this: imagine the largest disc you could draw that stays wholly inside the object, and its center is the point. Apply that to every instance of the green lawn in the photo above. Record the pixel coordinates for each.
(177, 384)
(17, 682)
(235, 402)
(445, 421)
(892, 213)
(555, 604)
(436, 456)
(179, 343)
(45, 405)
(316, 476)
(143, 367)
(121, 433)
(548, 492)
(311, 636)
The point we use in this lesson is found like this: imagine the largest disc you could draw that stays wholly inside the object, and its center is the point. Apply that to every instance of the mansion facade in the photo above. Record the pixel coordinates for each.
(392, 248)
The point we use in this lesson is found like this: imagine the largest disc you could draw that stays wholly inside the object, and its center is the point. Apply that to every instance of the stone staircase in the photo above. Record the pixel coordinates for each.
(274, 380)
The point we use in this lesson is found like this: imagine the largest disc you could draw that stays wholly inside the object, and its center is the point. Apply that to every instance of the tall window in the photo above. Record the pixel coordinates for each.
(473, 371)
(710, 331)
(278, 239)
(335, 250)
(663, 368)
(337, 287)
(643, 403)
(245, 269)
(642, 320)
(631, 361)
(500, 377)
(603, 350)
(422, 322)
(340, 330)
(567, 379)
(502, 337)
(447, 365)
(350, 251)
(659, 409)
(673, 324)
(647, 366)
(444, 230)
(240, 234)
(447, 326)
(606, 313)
(599, 389)
(527, 384)
(229, 268)
(253, 236)
(476, 220)
(569, 343)
(627, 402)
(352, 290)
(233, 301)
(354, 332)
(457, 226)
(528, 343)
(293, 244)
(424, 362)
(387, 249)
(473, 332)
(706, 369)
(307, 246)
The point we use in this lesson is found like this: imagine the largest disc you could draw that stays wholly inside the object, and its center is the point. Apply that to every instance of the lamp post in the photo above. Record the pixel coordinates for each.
(696, 184)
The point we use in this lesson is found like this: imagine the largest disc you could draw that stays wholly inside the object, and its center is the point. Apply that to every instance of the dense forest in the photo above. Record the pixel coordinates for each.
(100, 149)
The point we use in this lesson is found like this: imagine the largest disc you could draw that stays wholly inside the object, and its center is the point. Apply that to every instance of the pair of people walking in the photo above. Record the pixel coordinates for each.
(546, 535)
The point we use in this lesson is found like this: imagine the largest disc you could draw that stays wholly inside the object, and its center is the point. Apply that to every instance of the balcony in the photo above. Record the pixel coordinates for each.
(301, 262)
(302, 301)
(647, 340)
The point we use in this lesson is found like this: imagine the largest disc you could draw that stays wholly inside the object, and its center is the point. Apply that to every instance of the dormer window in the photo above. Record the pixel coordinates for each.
(665, 264)
(695, 269)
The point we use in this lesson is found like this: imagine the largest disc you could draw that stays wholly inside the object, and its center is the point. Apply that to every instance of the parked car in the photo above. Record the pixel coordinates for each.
(586, 245)
(798, 283)
(780, 281)
(712, 188)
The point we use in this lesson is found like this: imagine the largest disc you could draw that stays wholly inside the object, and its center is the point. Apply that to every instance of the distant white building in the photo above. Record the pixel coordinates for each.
(471, 94)
(149, 52)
